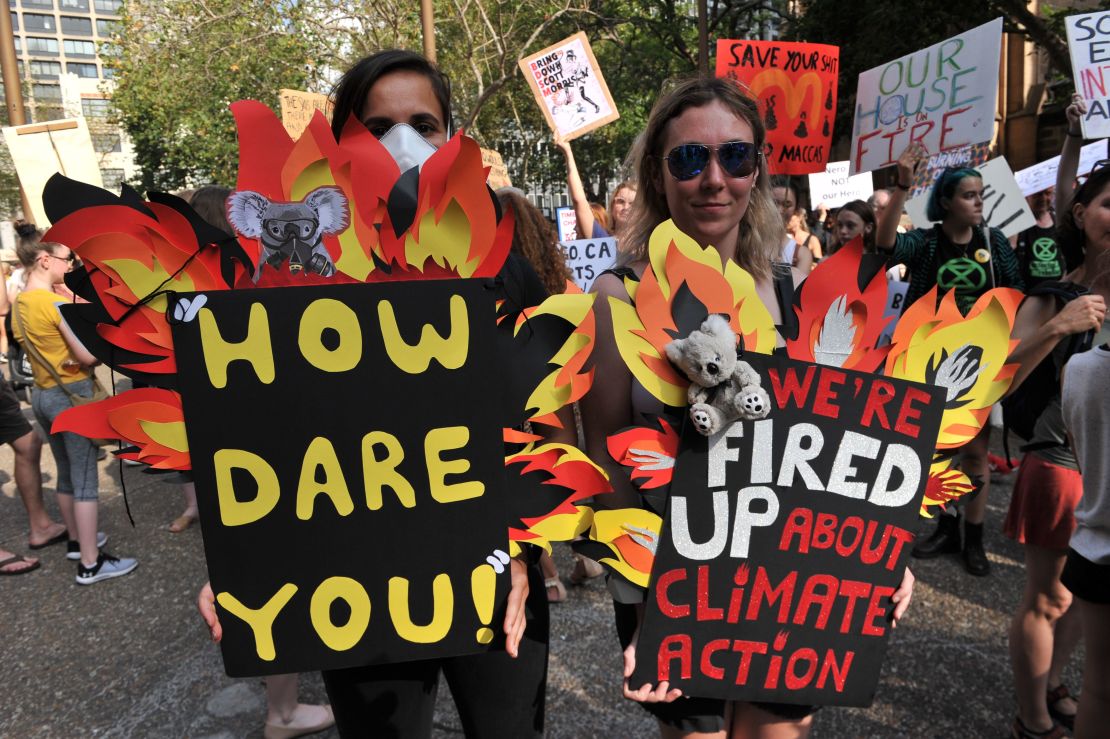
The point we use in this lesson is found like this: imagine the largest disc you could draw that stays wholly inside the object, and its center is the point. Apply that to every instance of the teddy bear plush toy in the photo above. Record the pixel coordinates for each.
(723, 388)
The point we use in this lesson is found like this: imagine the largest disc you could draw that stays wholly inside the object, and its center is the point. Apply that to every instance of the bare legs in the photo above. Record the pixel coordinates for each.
(1042, 637)
(285, 716)
(28, 480)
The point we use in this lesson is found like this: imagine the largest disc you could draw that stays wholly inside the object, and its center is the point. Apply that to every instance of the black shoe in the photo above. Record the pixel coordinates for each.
(975, 559)
(945, 540)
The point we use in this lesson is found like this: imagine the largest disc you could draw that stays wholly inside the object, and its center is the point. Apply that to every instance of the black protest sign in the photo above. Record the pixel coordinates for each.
(785, 537)
(349, 467)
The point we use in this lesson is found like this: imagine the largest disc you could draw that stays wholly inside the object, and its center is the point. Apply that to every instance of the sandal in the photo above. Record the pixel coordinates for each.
(584, 569)
(15, 559)
(1054, 696)
(560, 591)
(181, 523)
(1020, 731)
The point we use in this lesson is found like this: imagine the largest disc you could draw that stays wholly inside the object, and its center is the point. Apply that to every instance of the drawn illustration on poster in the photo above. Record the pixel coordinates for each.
(796, 84)
(569, 88)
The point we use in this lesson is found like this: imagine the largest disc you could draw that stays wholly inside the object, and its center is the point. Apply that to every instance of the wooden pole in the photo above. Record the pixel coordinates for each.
(703, 39)
(13, 93)
(427, 20)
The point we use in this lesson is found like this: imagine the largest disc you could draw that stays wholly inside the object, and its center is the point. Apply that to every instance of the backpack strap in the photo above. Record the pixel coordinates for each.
(623, 273)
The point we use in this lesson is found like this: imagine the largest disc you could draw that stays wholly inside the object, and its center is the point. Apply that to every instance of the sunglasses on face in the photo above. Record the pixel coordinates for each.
(687, 161)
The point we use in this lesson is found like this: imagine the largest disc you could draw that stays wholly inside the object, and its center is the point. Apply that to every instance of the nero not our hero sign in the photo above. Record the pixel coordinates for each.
(785, 538)
(349, 470)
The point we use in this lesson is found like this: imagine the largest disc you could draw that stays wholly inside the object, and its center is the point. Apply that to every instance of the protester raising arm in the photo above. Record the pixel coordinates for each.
(582, 211)
(1069, 155)
(887, 230)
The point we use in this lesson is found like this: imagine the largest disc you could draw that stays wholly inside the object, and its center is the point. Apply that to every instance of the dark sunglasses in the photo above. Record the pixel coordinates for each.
(737, 159)
(1081, 180)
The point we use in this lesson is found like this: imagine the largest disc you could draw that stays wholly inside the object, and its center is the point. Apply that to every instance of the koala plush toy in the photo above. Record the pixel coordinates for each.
(723, 388)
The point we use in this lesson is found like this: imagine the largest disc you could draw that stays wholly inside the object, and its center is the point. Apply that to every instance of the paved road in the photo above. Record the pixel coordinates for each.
(129, 657)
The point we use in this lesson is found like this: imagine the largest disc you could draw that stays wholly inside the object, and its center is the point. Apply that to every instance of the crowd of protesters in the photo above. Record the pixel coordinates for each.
(699, 163)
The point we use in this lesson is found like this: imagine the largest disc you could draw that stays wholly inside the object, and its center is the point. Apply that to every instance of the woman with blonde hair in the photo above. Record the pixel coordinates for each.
(699, 164)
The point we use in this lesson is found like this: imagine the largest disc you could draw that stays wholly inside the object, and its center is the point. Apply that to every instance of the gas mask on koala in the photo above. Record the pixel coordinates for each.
(407, 147)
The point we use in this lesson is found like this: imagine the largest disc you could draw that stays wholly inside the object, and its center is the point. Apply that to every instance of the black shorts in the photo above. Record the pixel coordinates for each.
(696, 714)
(13, 425)
(1086, 579)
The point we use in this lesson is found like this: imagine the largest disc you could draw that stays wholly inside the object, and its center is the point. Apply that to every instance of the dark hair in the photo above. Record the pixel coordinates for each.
(1069, 235)
(534, 238)
(349, 94)
(945, 187)
(787, 184)
(210, 203)
(867, 215)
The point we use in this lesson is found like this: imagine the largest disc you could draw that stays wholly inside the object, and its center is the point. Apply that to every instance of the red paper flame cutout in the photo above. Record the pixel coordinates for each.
(649, 452)
(831, 294)
(133, 417)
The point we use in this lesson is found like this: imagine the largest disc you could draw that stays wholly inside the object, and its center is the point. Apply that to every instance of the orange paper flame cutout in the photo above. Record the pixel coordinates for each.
(649, 452)
(838, 324)
(966, 355)
(682, 285)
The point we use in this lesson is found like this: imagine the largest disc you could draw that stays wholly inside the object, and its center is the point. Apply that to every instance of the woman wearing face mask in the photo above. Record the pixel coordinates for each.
(404, 100)
(698, 164)
(965, 256)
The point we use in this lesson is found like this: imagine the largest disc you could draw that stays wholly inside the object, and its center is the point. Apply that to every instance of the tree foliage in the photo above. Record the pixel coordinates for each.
(180, 63)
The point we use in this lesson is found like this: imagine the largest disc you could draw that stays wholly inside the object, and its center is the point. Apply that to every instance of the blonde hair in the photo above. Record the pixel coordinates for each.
(761, 234)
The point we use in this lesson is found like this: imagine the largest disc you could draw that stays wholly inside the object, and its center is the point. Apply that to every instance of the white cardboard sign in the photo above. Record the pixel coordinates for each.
(834, 187)
(567, 223)
(39, 150)
(1042, 176)
(588, 258)
(1089, 45)
(943, 96)
(1004, 205)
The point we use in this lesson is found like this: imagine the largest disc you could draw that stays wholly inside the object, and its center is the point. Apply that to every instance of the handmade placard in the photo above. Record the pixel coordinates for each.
(40, 150)
(1089, 46)
(1004, 205)
(588, 258)
(298, 107)
(336, 377)
(327, 542)
(785, 538)
(498, 174)
(1042, 175)
(796, 87)
(943, 96)
(965, 156)
(567, 223)
(569, 88)
(834, 187)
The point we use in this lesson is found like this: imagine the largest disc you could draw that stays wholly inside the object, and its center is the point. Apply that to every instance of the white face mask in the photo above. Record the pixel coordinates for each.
(408, 148)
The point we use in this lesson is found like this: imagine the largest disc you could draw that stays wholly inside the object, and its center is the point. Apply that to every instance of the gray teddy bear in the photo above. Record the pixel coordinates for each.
(723, 388)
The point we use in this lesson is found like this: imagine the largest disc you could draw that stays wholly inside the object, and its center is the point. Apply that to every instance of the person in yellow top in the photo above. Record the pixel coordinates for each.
(57, 356)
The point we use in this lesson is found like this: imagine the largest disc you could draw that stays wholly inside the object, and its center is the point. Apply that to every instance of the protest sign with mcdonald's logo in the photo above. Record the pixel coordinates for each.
(795, 84)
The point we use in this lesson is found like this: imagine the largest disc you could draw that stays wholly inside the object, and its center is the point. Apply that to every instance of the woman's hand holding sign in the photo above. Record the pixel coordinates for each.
(647, 693)
(902, 597)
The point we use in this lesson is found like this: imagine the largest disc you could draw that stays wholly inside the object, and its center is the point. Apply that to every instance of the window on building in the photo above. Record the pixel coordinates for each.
(48, 113)
(82, 5)
(18, 44)
(45, 70)
(78, 26)
(15, 22)
(46, 92)
(106, 26)
(107, 6)
(95, 107)
(79, 48)
(106, 142)
(112, 178)
(82, 70)
(108, 73)
(48, 4)
(36, 22)
(41, 46)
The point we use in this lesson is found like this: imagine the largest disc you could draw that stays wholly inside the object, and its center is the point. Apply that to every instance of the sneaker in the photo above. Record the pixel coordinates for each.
(106, 567)
(73, 547)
